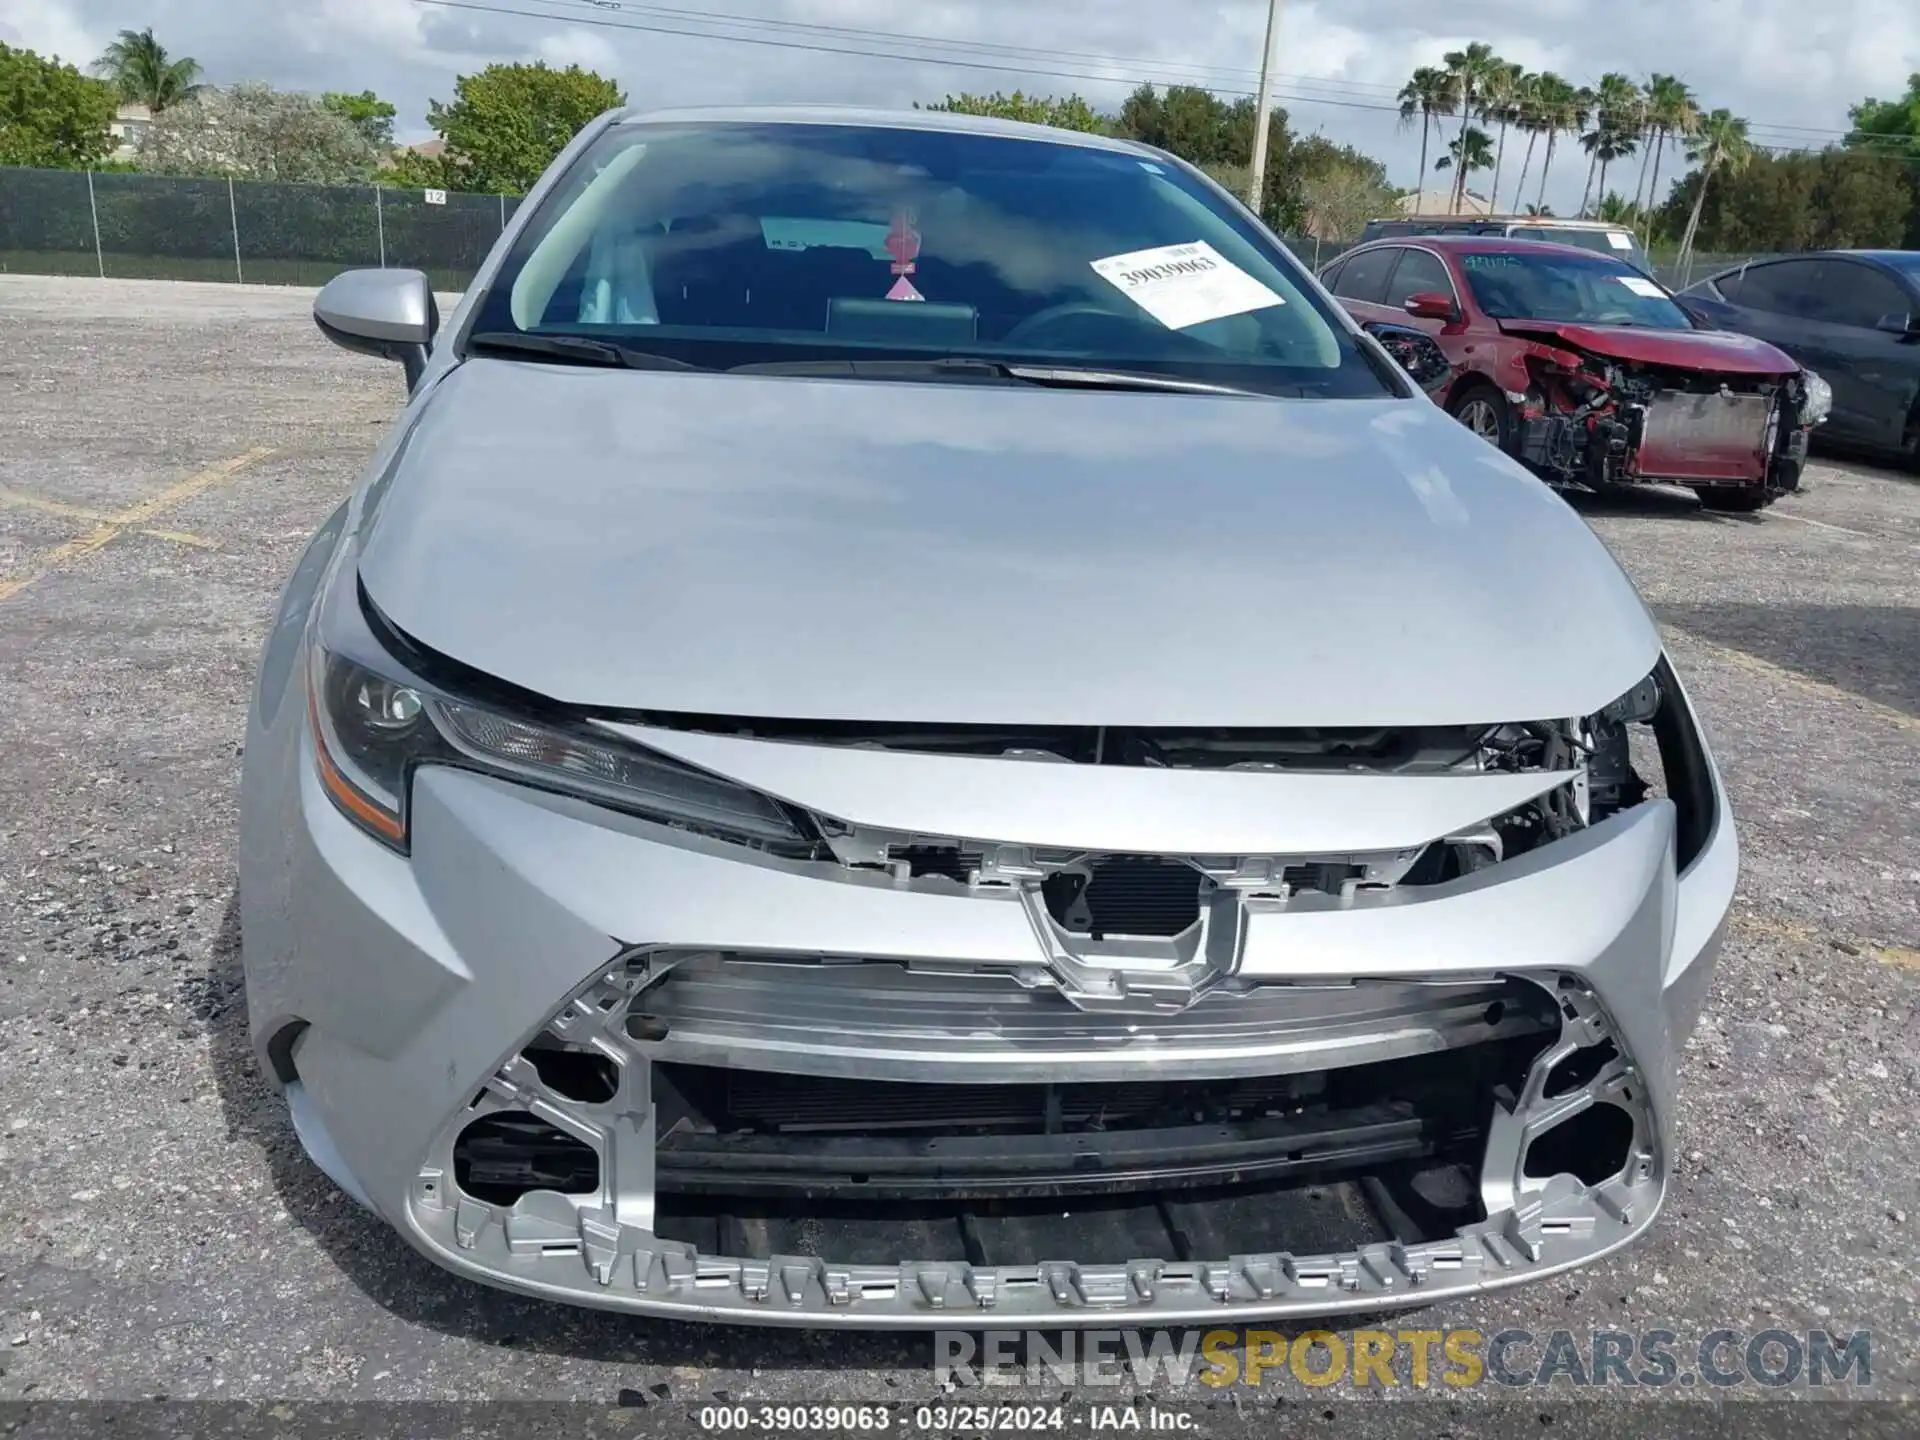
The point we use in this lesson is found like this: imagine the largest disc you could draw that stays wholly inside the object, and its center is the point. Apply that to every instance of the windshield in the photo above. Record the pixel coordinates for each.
(1620, 244)
(1557, 285)
(729, 244)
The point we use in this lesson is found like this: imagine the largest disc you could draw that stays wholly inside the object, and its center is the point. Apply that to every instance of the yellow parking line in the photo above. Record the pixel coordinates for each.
(1793, 932)
(180, 537)
(1806, 684)
(50, 507)
(137, 517)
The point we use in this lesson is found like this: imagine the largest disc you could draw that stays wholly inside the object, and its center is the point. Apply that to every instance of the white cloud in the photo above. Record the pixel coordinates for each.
(574, 46)
(52, 28)
(1782, 63)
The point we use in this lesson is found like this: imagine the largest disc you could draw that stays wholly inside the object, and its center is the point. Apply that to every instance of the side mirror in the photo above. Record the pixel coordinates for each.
(1416, 352)
(1696, 312)
(1899, 322)
(1431, 305)
(388, 313)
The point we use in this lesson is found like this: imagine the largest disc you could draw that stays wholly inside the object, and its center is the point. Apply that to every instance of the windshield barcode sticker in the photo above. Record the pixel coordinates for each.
(1619, 241)
(1182, 285)
(1640, 285)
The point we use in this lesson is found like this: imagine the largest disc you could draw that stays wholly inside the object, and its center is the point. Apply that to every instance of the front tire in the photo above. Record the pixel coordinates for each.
(1736, 500)
(1485, 411)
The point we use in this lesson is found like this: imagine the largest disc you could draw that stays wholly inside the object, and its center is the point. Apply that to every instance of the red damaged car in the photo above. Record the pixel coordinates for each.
(1587, 371)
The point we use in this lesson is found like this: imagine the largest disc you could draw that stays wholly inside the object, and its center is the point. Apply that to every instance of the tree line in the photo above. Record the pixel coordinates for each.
(1477, 113)
(1312, 185)
(1736, 195)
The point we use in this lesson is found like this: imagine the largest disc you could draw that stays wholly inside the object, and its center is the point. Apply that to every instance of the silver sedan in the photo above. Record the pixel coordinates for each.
(911, 728)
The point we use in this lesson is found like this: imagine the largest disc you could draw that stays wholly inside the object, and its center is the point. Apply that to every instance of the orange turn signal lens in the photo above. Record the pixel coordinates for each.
(343, 792)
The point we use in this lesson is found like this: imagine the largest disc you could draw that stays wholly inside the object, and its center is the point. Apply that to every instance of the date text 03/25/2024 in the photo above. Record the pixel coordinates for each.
(940, 1419)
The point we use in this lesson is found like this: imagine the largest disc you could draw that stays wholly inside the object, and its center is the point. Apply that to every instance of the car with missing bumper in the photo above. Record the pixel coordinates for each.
(1021, 802)
(1588, 371)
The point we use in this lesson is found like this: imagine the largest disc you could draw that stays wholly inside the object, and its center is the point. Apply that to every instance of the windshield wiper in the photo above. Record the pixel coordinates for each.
(966, 367)
(573, 350)
(1088, 379)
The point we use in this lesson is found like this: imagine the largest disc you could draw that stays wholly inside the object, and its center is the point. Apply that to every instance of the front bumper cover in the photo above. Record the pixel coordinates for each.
(413, 985)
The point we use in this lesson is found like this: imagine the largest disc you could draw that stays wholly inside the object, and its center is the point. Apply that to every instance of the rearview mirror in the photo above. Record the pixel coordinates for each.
(388, 313)
(1899, 322)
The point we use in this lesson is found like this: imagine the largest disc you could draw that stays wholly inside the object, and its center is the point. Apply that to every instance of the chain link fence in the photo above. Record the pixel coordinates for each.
(167, 227)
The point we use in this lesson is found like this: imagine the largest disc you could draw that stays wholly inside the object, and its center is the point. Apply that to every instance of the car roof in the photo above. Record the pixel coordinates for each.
(1482, 245)
(876, 118)
(1553, 221)
(1899, 262)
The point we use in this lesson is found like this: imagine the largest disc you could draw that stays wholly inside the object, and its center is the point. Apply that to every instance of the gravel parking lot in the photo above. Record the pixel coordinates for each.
(164, 452)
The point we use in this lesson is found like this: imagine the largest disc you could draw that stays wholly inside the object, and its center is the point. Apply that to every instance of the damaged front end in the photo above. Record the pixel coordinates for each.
(1595, 421)
(1204, 1086)
(1499, 1132)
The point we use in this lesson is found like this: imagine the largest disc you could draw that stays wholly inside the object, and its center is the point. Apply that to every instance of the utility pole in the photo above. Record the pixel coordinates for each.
(1263, 109)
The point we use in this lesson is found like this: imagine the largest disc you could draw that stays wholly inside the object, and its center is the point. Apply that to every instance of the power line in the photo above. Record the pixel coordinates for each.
(630, 7)
(814, 37)
(820, 47)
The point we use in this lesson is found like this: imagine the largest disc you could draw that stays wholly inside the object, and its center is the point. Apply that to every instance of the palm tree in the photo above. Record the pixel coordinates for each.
(1430, 92)
(1617, 119)
(1617, 209)
(138, 66)
(1526, 114)
(1559, 107)
(1471, 68)
(1719, 144)
(1588, 102)
(1477, 151)
(1503, 91)
(1674, 114)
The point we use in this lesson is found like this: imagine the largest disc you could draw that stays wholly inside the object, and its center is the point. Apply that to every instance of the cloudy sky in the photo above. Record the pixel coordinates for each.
(1792, 67)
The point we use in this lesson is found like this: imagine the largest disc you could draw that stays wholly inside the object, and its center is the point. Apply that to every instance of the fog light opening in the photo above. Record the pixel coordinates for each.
(574, 1073)
(1592, 1146)
(1578, 1069)
(501, 1157)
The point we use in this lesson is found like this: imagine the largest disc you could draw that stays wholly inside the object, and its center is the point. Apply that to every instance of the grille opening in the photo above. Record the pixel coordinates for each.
(1592, 1146)
(1327, 878)
(1131, 895)
(1313, 1216)
(750, 1133)
(503, 1156)
(945, 862)
(1579, 1068)
(573, 1072)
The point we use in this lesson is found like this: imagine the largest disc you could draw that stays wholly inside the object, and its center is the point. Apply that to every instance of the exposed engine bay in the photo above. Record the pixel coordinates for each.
(1596, 421)
(1102, 896)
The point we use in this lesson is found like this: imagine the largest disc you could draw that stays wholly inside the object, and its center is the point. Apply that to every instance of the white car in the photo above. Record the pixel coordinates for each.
(913, 727)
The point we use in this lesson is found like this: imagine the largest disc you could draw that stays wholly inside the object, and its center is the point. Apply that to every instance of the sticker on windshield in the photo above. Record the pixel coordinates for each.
(1619, 241)
(1182, 285)
(1640, 285)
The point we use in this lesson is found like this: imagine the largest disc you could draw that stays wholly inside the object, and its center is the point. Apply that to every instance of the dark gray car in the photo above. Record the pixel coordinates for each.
(1851, 315)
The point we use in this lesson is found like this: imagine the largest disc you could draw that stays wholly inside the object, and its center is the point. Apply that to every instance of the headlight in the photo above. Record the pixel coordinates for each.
(372, 729)
(623, 775)
(1819, 401)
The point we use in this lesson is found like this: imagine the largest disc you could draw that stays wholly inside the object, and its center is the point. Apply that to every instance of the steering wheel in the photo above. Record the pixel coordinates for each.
(1071, 310)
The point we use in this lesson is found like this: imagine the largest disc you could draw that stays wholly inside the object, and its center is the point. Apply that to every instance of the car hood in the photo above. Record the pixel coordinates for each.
(1716, 350)
(962, 553)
